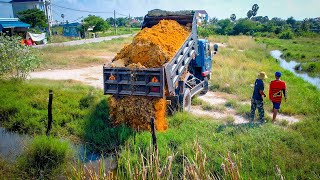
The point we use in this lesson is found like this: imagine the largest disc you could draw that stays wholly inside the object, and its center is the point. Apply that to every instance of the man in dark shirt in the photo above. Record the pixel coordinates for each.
(257, 100)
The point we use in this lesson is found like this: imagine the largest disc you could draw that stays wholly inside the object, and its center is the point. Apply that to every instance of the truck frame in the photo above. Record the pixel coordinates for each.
(178, 80)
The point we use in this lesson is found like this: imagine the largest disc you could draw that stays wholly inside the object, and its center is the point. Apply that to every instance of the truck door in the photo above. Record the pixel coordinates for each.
(206, 69)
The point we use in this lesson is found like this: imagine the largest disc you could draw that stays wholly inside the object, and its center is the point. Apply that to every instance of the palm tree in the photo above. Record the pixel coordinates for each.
(249, 14)
(255, 9)
(233, 17)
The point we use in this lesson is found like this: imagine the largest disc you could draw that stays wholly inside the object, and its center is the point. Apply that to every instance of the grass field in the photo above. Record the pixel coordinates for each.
(302, 49)
(84, 55)
(191, 144)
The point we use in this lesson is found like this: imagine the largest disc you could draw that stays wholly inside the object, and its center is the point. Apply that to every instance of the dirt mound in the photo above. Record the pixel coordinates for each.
(136, 112)
(152, 47)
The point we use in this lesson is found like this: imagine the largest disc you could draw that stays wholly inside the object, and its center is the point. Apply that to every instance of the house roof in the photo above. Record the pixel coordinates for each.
(13, 24)
(202, 11)
(18, 1)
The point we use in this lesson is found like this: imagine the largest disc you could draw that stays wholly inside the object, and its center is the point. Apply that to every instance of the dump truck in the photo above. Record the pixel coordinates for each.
(178, 80)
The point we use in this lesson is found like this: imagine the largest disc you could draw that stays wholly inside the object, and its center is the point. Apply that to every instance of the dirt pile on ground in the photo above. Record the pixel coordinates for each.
(136, 112)
(151, 48)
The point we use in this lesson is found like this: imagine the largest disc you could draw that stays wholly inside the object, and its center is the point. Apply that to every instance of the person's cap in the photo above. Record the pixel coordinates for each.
(262, 75)
(278, 74)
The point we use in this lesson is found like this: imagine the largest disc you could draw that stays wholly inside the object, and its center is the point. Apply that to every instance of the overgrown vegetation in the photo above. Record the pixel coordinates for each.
(80, 113)
(16, 60)
(44, 158)
(267, 151)
(235, 72)
(304, 50)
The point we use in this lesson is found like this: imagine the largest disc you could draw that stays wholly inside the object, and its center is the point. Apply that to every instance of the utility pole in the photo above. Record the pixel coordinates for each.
(114, 22)
(46, 4)
(129, 23)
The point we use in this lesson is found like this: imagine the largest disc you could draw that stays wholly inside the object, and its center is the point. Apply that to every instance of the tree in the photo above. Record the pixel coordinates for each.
(110, 21)
(291, 21)
(225, 27)
(34, 17)
(255, 9)
(244, 26)
(233, 17)
(213, 20)
(249, 14)
(16, 60)
(96, 22)
(121, 21)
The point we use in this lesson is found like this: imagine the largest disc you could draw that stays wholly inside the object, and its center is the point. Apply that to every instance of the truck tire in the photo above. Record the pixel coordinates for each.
(186, 103)
(206, 86)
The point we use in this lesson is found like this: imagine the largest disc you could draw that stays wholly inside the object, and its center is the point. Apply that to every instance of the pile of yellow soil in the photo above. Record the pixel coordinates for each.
(151, 47)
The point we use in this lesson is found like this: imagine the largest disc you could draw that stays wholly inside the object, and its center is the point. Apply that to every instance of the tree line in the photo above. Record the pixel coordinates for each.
(261, 26)
(36, 18)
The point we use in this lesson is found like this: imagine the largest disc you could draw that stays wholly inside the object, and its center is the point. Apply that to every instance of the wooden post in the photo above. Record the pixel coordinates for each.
(154, 137)
(49, 112)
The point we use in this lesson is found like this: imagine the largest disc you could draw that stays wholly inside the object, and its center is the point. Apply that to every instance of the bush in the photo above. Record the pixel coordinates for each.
(15, 59)
(44, 158)
(286, 35)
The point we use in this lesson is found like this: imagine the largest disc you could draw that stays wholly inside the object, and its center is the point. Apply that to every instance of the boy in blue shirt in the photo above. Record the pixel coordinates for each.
(257, 99)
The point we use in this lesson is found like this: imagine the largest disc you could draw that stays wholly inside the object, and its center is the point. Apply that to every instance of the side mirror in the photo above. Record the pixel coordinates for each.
(215, 47)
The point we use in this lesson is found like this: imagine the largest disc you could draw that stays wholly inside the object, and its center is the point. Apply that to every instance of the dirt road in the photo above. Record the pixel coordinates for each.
(82, 41)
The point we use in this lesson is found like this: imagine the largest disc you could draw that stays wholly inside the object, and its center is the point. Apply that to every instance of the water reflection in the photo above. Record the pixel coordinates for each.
(291, 65)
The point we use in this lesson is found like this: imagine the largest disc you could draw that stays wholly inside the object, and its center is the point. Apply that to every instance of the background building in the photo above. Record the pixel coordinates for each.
(22, 5)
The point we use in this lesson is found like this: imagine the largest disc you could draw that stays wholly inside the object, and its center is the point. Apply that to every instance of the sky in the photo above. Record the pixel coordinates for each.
(220, 9)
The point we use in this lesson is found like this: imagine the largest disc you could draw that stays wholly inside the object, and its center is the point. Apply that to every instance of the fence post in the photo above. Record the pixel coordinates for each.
(154, 137)
(49, 112)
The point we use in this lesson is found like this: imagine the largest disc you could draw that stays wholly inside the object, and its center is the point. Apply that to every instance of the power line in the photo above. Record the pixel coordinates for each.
(79, 10)
(121, 14)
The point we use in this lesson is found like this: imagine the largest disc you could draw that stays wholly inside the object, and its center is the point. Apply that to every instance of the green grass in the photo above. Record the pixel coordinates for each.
(45, 157)
(235, 72)
(60, 39)
(259, 149)
(80, 113)
(302, 49)
(120, 31)
(81, 55)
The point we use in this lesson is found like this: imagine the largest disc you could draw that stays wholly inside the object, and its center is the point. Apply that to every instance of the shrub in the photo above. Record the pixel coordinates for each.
(286, 35)
(44, 158)
(15, 59)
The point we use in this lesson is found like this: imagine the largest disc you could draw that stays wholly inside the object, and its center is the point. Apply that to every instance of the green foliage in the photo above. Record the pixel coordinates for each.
(205, 32)
(195, 101)
(34, 17)
(262, 26)
(288, 34)
(245, 26)
(224, 27)
(257, 150)
(97, 22)
(44, 158)
(79, 112)
(15, 59)
(99, 131)
(303, 50)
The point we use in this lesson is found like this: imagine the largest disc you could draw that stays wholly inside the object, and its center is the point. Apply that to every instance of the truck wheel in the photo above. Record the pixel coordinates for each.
(186, 104)
(206, 86)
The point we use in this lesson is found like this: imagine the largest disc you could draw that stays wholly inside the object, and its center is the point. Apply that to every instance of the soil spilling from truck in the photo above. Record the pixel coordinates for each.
(151, 48)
